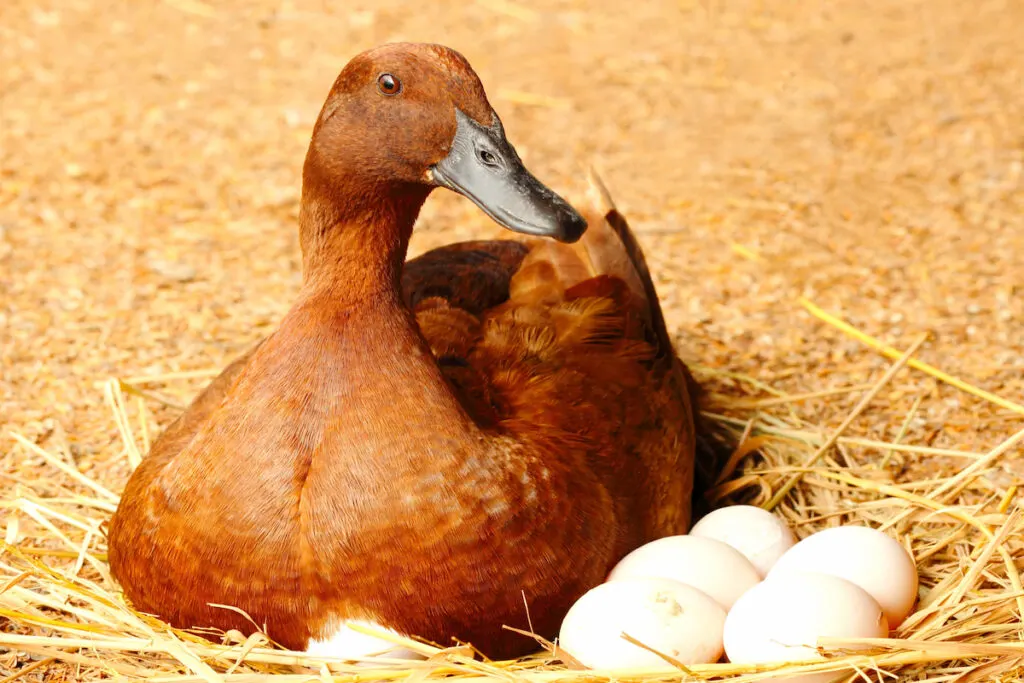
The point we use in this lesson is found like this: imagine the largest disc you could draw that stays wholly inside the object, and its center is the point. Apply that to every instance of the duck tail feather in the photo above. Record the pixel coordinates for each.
(610, 247)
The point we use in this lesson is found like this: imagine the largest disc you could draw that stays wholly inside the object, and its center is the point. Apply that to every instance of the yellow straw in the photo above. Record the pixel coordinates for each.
(894, 354)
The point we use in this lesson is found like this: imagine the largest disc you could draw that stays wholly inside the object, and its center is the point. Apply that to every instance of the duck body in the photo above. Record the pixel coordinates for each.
(445, 446)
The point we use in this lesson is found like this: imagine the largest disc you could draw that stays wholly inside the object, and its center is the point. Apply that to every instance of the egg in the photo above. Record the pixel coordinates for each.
(758, 534)
(780, 620)
(673, 618)
(864, 556)
(708, 565)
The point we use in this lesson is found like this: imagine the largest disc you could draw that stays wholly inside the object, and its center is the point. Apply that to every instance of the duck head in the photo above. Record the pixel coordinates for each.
(404, 118)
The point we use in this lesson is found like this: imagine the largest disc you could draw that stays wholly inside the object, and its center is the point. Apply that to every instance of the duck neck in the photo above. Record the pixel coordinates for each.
(354, 237)
(356, 333)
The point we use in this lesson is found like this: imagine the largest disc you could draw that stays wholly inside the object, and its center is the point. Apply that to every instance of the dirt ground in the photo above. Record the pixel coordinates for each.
(866, 155)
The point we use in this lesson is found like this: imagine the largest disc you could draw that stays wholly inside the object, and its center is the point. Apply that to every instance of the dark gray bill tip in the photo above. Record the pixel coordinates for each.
(485, 168)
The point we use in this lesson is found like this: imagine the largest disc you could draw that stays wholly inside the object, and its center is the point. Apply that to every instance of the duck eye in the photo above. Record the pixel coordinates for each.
(487, 158)
(388, 84)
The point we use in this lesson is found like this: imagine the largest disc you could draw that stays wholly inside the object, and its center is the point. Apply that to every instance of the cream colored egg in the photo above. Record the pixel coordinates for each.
(673, 618)
(758, 534)
(867, 557)
(780, 620)
(708, 565)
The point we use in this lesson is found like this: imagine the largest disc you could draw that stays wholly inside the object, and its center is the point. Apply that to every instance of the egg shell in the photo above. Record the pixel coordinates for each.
(864, 556)
(758, 534)
(673, 618)
(781, 620)
(708, 565)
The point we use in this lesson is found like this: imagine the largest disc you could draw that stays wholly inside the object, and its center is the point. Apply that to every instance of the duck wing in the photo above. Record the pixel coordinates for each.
(473, 276)
(567, 344)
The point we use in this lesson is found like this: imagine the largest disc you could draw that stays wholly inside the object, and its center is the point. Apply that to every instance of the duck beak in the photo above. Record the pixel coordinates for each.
(485, 168)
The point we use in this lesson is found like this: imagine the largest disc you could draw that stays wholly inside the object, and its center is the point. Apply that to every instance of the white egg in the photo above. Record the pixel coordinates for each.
(781, 620)
(864, 556)
(673, 618)
(758, 534)
(708, 565)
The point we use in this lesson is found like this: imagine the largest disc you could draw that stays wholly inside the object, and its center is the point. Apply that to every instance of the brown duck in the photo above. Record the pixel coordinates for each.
(421, 444)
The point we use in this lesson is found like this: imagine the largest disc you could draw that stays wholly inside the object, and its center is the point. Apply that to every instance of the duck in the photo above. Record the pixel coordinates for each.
(450, 446)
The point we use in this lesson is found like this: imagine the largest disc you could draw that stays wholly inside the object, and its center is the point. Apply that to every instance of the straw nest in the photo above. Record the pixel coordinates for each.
(956, 511)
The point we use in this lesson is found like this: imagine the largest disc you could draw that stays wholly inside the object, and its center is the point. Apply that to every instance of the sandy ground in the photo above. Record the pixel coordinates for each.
(867, 155)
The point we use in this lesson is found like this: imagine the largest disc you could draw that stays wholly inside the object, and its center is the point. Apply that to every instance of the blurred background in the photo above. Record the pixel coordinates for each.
(864, 154)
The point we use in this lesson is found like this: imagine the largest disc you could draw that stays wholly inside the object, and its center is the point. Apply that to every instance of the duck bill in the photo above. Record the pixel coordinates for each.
(483, 167)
